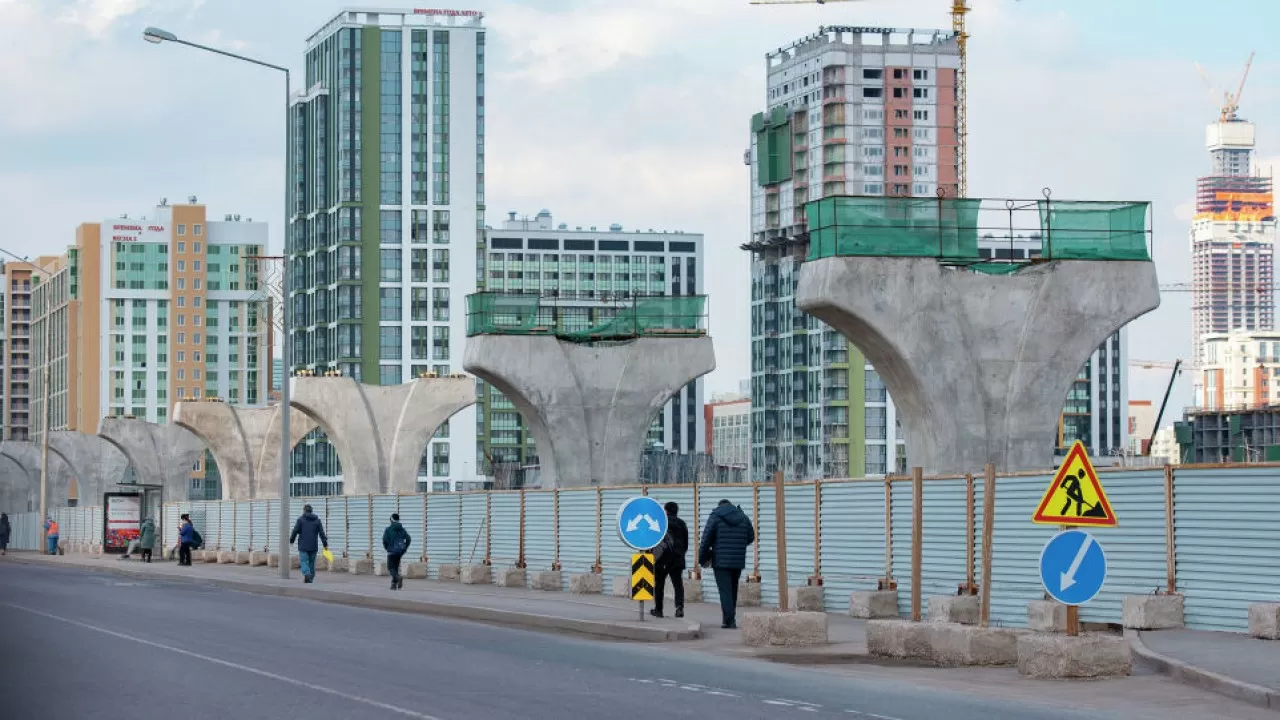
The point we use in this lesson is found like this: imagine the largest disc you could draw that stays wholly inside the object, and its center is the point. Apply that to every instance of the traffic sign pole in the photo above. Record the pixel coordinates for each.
(1073, 612)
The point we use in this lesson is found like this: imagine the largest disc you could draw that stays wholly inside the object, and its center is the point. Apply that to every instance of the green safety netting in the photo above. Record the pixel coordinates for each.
(500, 314)
(893, 227)
(1095, 230)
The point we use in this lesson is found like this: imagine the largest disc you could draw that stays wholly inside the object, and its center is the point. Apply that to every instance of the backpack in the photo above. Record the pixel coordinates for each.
(399, 545)
(197, 541)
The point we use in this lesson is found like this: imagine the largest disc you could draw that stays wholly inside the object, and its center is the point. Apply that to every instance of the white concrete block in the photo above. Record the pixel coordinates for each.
(586, 584)
(1264, 621)
(1153, 612)
(621, 586)
(449, 572)
(961, 609)
(785, 629)
(414, 571)
(1046, 616)
(550, 580)
(1092, 655)
(511, 577)
(874, 604)
(807, 598)
(475, 575)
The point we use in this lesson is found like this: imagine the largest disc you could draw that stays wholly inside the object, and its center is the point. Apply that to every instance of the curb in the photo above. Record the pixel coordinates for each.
(528, 621)
(1204, 679)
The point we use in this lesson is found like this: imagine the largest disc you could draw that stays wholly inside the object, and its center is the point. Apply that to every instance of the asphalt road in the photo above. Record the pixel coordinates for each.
(100, 646)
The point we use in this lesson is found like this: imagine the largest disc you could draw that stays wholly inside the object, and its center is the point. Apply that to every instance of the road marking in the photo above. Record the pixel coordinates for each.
(871, 716)
(235, 666)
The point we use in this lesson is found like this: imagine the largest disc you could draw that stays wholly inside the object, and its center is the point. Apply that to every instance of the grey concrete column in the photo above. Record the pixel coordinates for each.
(978, 365)
(589, 407)
(381, 432)
(27, 456)
(97, 464)
(245, 442)
(160, 454)
(17, 492)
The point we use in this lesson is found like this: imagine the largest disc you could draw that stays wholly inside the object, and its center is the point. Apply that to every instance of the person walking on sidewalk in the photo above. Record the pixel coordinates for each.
(724, 548)
(147, 539)
(186, 540)
(670, 562)
(395, 540)
(5, 530)
(51, 535)
(307, 531)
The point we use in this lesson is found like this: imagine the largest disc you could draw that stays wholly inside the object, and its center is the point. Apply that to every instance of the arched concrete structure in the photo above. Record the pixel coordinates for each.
(160, 454)
(381, 432)
(245, 442)
(978, 365)
(17, 492)
(589, 407)
(28, 456)
(97, 464)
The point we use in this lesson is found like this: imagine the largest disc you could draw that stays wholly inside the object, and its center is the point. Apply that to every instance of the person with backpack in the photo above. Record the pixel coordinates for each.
(724, 548)
(309, 532)
(5, 530)
(186, 540)
(396, 541)
(670, 562)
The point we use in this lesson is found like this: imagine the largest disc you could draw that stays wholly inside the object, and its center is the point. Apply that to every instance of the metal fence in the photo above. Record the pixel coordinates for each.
(1209, 532)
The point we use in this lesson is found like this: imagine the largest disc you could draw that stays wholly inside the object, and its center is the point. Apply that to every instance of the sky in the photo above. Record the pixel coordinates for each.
(632, 112)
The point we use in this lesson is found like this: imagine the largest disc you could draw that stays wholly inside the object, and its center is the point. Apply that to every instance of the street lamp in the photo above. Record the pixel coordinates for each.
(157, 36)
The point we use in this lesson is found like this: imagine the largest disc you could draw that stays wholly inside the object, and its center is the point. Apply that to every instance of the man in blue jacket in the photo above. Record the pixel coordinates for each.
(724, 548)
(187, 540)
(307, 531)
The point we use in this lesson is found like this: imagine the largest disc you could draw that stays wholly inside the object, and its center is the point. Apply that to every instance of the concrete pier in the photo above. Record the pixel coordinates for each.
(992, 356)
(17, 493)
(588, 406)
(27, 456)
(97, 464)
(381, 432)
(245, 443)
(160, 454)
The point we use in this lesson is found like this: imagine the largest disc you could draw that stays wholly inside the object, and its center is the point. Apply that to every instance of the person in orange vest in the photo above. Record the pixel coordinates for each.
(51, 534)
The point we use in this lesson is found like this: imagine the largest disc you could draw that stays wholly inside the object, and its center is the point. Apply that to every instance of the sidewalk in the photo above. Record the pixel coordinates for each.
(1231, 664)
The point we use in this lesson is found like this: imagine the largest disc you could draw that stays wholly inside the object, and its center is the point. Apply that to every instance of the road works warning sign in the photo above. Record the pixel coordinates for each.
(1075, 497)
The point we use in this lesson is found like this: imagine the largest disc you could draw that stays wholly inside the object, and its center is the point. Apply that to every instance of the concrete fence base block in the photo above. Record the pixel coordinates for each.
(414, 571)
(954, 645)
(360, 566)
(749, 594)
(692, 591)
(586, 584)
(786, 629)
(1264, 621)
(259, 559)
(1153, 612)
(380, 569)
(550, 580)
(226, 557)
(510, 577)
(874, 604)
(339, 564)
(449, 573)
(621, 587)
(899, 639)
(210, 556)
(807, 598)
(475, 575)
(1046, 616)
(1041, 655)
(960, 609)
(295, 562)
(242, 557)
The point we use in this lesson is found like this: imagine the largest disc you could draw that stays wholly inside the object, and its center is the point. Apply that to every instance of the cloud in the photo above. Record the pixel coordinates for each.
(97, 16)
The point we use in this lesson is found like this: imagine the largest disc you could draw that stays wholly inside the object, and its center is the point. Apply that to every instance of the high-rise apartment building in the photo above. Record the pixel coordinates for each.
(1239, 370)
(386, 230)
(1232, 243)
(849, 111)
(593, 274)
(16, 413)
(728, 420)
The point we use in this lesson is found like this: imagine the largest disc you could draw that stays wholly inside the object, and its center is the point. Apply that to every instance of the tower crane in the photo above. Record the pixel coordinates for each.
(959, 9)
(1230, 109)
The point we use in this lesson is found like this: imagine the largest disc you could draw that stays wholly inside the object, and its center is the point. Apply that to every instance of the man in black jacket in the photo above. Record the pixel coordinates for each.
(724, 547)
(670, 562)
(307, 531)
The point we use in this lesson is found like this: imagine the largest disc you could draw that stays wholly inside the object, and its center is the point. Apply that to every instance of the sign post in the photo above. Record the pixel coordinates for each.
(642, 524)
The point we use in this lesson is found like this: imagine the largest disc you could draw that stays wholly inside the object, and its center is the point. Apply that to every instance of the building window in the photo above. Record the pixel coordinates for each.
(420, 346)
(197, 229)
(419, 266)
(421, 304)
(390, 375)
(389, 304)
(440, 266)
(440, 304)
(440, 459)
(390, 266)
(389, 227)
(440, 343)
(182, 230)
(440, 227)
(389, 347)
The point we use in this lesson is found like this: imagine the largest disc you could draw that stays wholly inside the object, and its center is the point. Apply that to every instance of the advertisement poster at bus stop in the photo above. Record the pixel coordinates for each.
(124, 520)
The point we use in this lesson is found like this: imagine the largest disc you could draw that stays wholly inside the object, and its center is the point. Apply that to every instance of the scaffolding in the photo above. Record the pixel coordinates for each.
(586, 319)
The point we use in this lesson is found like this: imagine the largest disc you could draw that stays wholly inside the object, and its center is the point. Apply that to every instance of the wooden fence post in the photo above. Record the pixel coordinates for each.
(599, 567)
(488, 528)
(520, 559)
(697, 521)
(425, 506)
(1170, 539)
(816, 578)
(888, 583)
(555, 526)
(969, 522)
(917, 539)
(780, 536)
(755, 547)
(988, 532)
(369, 552)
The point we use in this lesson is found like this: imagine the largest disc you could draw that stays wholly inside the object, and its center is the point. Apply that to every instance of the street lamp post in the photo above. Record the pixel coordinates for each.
(156, 35)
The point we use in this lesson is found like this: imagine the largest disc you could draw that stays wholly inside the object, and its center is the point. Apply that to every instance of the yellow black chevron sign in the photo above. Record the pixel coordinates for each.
(642, 576)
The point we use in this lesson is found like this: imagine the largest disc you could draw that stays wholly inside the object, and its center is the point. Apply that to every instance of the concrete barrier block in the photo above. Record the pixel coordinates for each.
(510, 577)
(339, 564)
(95, 549)
(808, 598)
(449, 573)
(550, 580)
(210, 556)
(360, 566)
(1092, 655)
(1046, 616)
(874, 604)
(749, 594)
(1264, 621)
(414, 571)
(960, 609)
(621, 587)
(898, 639)
(380, 569)
(1153, 612)
(586, 584)
(692, 591)
(226, 557)
(242, 557)
(475, 575)
(260, 559)
(787, 629)
(955, 645)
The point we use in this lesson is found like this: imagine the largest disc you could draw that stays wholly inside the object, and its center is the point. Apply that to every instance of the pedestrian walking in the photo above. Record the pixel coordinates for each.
(51, 535)
(724, 548)
(186, 540)
(147, 539)
(670, 562)
(396, 541)
(309, 532)
(5, 530)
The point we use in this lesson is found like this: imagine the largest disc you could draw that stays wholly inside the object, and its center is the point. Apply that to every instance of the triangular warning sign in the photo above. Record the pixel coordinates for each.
(1075, 497)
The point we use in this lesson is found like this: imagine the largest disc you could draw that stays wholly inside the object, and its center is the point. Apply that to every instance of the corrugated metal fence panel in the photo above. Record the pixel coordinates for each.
(475, 527)
(199, 513)
(258, 524)
(359, 508)
(1015, 547)
(227, 535)
(244, 518)
(1228, 543)
(443, 536)
(615, 555)
(383, 506)
(411, 516)
(1136, 549)
(97, 518)
(539, 530)
(273, 525)
(900, 527)
(335, 524)
(852, 539)
(25, 532)
(577, 531)
(943, 551)
(505, 515)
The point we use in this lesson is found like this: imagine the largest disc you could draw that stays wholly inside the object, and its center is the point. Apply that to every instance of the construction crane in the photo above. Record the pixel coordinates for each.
(1174, 367)
(1230, 109)
(959, 9)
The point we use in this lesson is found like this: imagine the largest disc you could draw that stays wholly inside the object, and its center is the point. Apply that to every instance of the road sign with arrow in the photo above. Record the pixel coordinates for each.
(642, 523)
(1073, 567)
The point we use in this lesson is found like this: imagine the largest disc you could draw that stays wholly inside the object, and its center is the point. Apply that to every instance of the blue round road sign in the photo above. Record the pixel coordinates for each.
(642, 523)
(1073, 567)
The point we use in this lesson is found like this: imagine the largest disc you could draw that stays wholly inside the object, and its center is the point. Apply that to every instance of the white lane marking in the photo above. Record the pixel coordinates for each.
(871, 716)
(235, 666)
